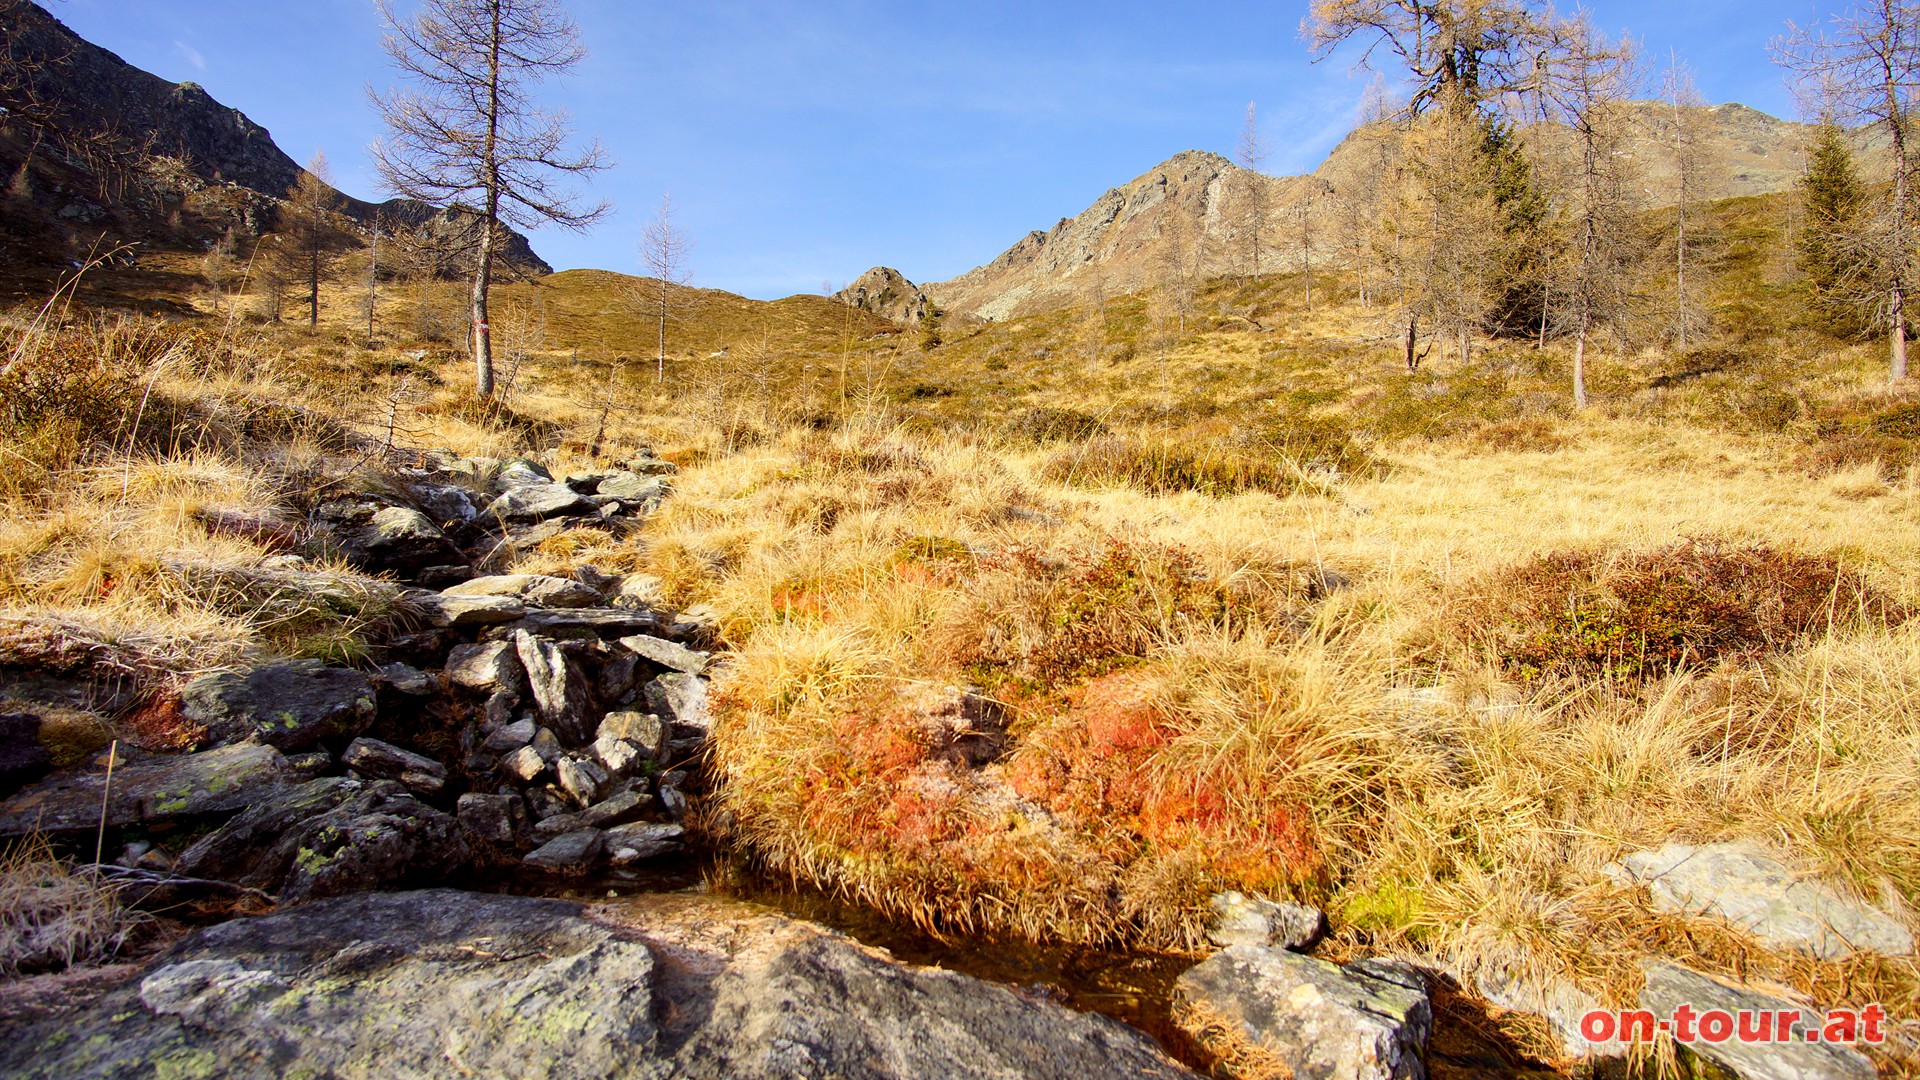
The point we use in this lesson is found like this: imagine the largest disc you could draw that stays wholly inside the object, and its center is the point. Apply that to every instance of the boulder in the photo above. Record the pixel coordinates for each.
(652, 466)
(586, 483)
(632, 487)
(377, 538)
(559, 688)
(487, 668)
(290, 706)
(666, 654)
(1365, 1021)
(535, 590)
(161, 788)
(644, 840)
(1668, 986)
(377, 760)
(442, 983)
(22, 758)
(446, 504)
(519, 473)
(329, 837)
(497, 819)
(538, 502)
(460, 612)
(1745, 886)
(574, 852)
(1239, 919)
(681, 700)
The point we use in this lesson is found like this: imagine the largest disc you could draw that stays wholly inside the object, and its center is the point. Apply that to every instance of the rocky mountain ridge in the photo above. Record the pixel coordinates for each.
(1194, 215)
(117, 153)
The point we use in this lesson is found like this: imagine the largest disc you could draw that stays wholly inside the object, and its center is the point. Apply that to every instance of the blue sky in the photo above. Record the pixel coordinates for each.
(806, 142)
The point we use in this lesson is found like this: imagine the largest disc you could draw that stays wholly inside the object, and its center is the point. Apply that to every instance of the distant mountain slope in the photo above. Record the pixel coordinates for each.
(604, 310)
(97, 142)
(1191, 213)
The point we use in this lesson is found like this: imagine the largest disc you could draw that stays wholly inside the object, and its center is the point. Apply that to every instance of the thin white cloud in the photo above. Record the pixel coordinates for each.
(192, 54)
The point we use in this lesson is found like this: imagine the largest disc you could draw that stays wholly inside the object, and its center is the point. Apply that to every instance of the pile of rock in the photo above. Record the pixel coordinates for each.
(555, 721)
(453, 517)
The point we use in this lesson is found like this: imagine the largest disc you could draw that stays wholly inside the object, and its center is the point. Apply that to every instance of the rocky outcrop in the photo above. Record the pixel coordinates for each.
(1670, 986)
(117, 123)
(1745, 886)
(152, 789)
(1192, 214)
(1239, 919)
(449, 984)
(292, 706)
(1368, 1020)
(886, 292)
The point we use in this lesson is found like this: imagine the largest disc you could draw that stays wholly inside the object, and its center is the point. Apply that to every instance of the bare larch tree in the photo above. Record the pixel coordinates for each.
(664, 251)
(466, 130)
(1251, 153)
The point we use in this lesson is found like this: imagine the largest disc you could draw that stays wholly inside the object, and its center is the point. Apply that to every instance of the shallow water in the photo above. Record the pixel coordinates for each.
(1131, 986)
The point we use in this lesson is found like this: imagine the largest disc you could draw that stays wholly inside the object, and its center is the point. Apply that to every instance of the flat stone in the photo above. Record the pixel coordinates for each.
(652, 466)
(644, 840)
(495, 818)
(548, 828)
(535, 590)
(158, 789)
(1239, 919)
(442, 610)
(386, 538)
(616, 810)
(574, 852)
(633, 487)
(510, 737)
(384, 761)
(547, 745)
(595, 621)
(681, 700)
(586, 482)
(1669, 986)
(559, 688)
(487, 668)
(1321, 1021)
(1759, 894)
(291, 705)
(407, 679)
(538, 502)
(667, 654)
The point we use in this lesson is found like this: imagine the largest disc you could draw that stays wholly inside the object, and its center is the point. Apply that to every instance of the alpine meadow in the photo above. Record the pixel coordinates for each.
(1414, 618)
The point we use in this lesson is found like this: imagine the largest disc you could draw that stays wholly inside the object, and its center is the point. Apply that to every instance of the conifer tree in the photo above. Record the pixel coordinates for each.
(1837, 271)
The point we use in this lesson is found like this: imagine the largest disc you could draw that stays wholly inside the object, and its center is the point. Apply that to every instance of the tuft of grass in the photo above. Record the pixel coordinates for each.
(1701, 601)
(52, 918)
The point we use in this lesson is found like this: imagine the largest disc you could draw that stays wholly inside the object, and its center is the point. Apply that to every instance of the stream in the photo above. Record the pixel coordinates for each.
(1134, 987)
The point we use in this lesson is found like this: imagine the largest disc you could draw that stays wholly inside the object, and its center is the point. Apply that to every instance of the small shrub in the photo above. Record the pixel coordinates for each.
(1053, 425)
(1533, 434)
(1685, 605)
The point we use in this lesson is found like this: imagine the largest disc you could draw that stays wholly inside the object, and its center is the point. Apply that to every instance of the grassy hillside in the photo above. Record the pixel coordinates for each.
(1064, 624)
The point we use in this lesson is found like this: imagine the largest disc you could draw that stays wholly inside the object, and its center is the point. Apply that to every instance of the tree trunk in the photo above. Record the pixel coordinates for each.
(313, 286)
(1580, 366)
(482, 336)
(1413, 339)
(1899, 333)
(660, 372)
(1465, 341)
